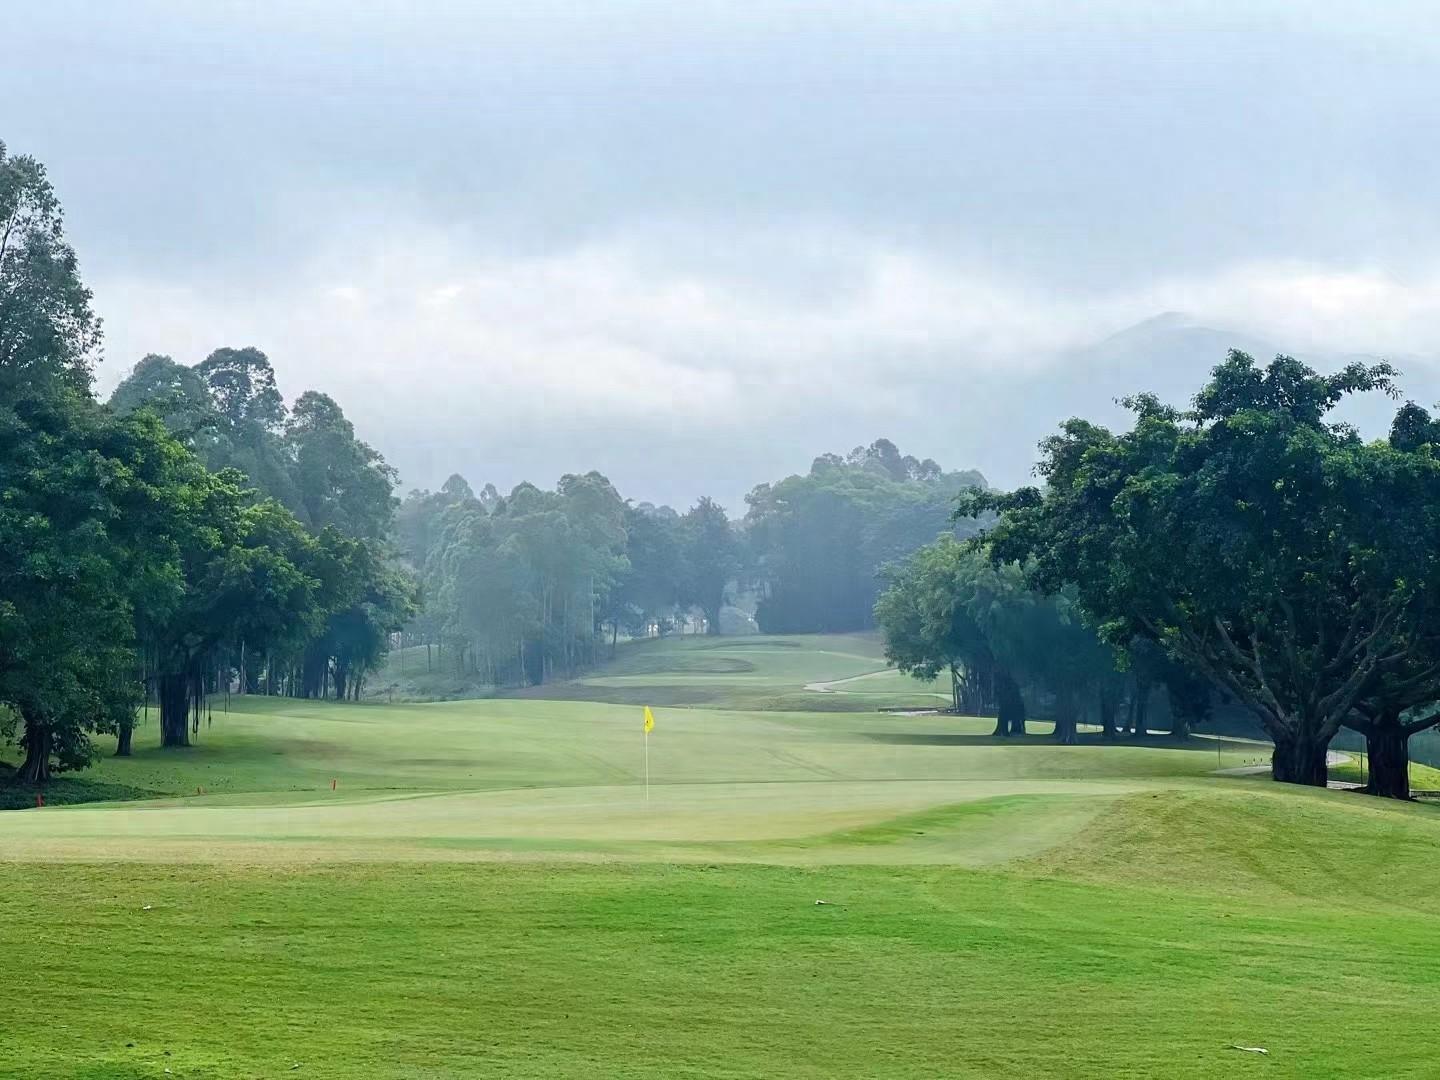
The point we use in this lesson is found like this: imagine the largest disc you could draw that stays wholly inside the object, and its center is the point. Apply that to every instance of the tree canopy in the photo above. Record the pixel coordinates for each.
(820, 540)
(1251, 537)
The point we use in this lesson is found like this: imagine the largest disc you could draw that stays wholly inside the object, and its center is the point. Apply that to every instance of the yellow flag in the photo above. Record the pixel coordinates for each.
(649, 720)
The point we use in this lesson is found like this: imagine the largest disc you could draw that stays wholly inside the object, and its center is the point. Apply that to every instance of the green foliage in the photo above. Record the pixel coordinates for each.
(711, 558)
(654, 580)
(48, 334)
(144, 544)
(820, 540)
(950, 607)
(515, 586)
(339, 480)
(316, 475)
(65, 627)
(1261, 545)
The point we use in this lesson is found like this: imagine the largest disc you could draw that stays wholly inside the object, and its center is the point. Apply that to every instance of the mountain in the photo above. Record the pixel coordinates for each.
(1169, 355)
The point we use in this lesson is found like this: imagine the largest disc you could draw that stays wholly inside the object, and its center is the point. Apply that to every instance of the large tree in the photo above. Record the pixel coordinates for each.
(339, 479)
(712, 559)
(242, 581)
(1402, 698)
(1256, 540)
(66, 655)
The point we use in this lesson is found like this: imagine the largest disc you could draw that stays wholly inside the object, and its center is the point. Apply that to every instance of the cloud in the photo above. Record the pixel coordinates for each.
(1308, 307)
(815, 339)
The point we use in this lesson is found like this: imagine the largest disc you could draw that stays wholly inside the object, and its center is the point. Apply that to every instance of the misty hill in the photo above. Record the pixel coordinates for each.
(1169, 355)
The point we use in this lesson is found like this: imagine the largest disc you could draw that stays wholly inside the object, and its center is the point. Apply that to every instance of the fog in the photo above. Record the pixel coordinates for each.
(693, 247)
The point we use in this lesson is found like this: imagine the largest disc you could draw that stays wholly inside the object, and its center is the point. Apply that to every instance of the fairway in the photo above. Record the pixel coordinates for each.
(487, 891)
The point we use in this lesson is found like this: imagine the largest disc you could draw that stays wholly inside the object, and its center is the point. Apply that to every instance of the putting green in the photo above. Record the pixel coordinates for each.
(557, 779)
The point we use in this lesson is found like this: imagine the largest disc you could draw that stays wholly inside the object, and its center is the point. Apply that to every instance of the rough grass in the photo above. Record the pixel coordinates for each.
(721, 971)
(488, 893)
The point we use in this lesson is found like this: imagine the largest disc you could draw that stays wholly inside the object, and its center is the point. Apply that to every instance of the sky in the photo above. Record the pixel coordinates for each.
(696, 245)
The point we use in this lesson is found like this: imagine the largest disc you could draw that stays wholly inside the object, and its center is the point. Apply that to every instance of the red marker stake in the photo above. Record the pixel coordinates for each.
(332, 785)
(39, 798)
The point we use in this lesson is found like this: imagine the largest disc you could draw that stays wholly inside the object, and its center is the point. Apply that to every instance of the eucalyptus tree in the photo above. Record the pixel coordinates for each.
(339, 479)
(648, 591)
(819, 540)
(48, 332)
(712, 558)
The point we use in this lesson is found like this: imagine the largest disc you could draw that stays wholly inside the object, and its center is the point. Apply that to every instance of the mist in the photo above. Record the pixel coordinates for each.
(695, 249)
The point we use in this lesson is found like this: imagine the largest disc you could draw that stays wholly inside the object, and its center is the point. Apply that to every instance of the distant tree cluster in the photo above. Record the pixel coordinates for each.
(819, 541)
(524, 587)
(520, 588)
(192, 535)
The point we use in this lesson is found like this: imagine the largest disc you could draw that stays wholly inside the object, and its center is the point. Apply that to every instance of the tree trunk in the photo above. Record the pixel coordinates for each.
(122, 739)
(1140, 709)
(1109, 705)
(1065, 730)
(1009, 704)
(174, 710)
(1388, 747)
(35, 769)
(1300, 759)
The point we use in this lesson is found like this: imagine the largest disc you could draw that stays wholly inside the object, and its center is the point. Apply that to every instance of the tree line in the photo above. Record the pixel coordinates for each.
(523, 587)
(190, 534)
(951, 610)
(1250, 547)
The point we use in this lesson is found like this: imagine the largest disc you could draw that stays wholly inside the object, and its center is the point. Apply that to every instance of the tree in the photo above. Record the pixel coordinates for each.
(821, 539)
(364, 601)
(339, 480)
(517, 586)
(712, 559)
(649, 588)
(177, 395)
(48, 333)
(66, 656)
(1403, 696)
(929, 614)
(1261, 545)
(951, 606)
(241, 582)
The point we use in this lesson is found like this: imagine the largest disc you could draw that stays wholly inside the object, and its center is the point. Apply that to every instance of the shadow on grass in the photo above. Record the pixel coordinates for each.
(64, 791)
(1154, 742)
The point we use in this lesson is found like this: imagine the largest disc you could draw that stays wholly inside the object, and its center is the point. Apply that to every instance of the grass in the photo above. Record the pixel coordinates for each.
(488, 892)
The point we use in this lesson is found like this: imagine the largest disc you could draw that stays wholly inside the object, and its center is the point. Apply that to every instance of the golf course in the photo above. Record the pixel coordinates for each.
(487, 887)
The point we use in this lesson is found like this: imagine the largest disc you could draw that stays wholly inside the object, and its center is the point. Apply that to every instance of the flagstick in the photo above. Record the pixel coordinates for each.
(647, 766)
